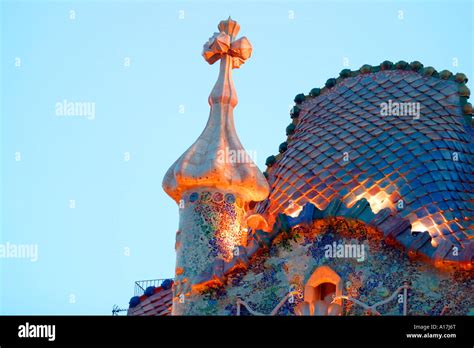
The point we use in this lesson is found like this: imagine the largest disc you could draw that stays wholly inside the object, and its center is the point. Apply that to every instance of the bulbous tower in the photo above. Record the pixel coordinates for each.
(213, 181)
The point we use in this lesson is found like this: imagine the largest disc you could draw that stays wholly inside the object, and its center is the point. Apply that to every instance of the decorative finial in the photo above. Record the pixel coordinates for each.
(202, 164)
(222, 43)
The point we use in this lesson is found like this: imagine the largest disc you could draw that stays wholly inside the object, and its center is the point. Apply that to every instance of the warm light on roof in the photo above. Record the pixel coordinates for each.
(377, 202)
(293, 210)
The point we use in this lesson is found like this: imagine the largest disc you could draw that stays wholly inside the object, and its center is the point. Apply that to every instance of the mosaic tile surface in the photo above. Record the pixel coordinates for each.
(209, 231)
(293, 257)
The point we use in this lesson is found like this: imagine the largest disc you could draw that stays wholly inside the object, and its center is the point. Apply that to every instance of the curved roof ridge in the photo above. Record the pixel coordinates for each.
(323, 116)
(366, 69)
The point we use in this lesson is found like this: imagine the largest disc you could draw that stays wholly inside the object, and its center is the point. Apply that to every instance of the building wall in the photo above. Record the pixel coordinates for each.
(292, 259)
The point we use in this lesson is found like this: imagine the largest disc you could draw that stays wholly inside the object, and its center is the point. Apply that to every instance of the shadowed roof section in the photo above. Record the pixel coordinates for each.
(156, 301)
(341, 146)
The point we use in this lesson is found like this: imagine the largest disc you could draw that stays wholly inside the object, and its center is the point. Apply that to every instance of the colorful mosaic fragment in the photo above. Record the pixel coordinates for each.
(210, 230)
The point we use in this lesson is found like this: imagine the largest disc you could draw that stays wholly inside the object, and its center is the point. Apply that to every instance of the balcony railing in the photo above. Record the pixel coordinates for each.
(141, 285)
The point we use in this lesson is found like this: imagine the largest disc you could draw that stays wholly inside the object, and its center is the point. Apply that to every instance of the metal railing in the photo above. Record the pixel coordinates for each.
(373, 308)
(141, 285)
(273, 312)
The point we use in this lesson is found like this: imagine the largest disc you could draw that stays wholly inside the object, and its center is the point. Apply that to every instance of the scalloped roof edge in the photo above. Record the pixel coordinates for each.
(395, 230)
(416, 66)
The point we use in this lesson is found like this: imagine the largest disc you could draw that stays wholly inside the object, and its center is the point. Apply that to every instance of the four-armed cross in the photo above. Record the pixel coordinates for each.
(223, 43)
(232, 54)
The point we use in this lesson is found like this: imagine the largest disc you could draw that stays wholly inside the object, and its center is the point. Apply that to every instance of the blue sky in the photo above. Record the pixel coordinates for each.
(123, 225)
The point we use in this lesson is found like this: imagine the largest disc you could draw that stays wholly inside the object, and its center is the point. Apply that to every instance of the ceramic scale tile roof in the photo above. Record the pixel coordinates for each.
(340, 145)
